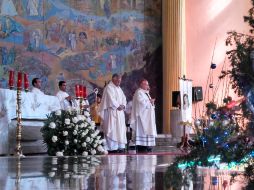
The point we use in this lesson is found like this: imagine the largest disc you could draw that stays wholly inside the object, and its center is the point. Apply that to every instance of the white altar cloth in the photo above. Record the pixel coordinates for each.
(33, 106)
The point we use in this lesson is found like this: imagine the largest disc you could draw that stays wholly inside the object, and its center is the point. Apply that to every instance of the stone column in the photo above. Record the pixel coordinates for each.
(174, 53)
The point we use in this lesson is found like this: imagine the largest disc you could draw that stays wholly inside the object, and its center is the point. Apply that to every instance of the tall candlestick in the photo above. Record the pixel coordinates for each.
(77, 91)
(84, 92)
(26, 82)
(11, 79)
(19, 82)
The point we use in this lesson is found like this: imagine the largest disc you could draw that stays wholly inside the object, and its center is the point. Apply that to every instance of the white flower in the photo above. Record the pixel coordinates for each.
(65, 133)
(103, 141)
(54, 161)
(88, 139)
(97, 132)
(88, 120)
(66, 142)
(75, 167)
(85, 124)
(58, 112)
(92, 170)
(52, 125)
(100, 148)
(65, 166)
(75, 140)
(75, 119)
(84, 153)
(75, 132)
(76, 127)
(105, 152)
(86, 113)
(79, 117)
(95, 144)
(93, 152)
(98, 137)
(82, 125)
(100, 141)
(59, 153)
(54, 139)
(83, 144)
(83, 134)
(68, 109)
(92, 123)
(66, 176)
(67, 121)
(51, 174)
(93, 135)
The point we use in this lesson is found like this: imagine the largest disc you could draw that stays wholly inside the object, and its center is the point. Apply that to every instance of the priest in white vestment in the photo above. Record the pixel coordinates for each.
(36, 82)
(143, 118)
(64, 98)
(111, 111)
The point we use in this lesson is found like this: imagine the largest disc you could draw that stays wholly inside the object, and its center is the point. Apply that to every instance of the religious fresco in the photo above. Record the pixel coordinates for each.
(80, 41)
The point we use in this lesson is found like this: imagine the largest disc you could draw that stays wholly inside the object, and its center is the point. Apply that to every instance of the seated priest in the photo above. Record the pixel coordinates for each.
(36, 82)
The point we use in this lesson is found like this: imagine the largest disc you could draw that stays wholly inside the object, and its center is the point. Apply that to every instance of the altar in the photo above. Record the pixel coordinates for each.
(34, 109)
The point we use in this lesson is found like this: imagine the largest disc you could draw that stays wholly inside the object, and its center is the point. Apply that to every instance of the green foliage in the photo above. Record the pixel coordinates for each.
(67, 133)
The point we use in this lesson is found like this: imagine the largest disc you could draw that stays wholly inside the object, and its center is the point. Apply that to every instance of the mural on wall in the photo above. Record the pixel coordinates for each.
(80, 41)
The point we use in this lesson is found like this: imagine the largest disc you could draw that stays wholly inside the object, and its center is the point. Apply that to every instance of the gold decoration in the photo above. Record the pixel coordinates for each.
(19, 126)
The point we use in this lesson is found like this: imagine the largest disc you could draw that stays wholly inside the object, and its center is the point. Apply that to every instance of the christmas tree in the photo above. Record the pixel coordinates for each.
(227, 133)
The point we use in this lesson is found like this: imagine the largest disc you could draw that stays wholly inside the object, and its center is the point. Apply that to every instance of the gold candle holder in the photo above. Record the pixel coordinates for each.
(19, 126)
(18, 173)
(80, 105)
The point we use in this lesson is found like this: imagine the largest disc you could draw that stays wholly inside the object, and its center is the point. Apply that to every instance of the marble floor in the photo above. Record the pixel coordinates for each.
(128, 172)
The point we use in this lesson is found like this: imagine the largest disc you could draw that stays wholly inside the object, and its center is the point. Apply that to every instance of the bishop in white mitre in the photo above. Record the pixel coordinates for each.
(111, 111)
(143, 118)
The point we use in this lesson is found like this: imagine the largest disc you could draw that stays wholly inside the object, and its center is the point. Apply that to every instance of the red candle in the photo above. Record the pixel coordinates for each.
(81, 91)
(26, 82)
(19, 82)
(77, 90)
(84, 92)
(11, 79)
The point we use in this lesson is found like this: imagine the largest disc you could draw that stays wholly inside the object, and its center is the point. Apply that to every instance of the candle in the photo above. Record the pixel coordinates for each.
(11, 79)
(81, 91)
(77, 90)
(84, 92)
(26, 82)
(19, 82)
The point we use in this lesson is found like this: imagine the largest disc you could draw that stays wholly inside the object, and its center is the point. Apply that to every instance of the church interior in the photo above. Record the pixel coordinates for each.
(127, 94)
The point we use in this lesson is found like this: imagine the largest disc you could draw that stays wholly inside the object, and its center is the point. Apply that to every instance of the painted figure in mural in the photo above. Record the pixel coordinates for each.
(73, 40)
(36, 39)
(32, 7)
(111, 111)
(60, 77)
(106, 8)
(143, 118)
(91, 23)
(64, 98)
(36, 83)
(8, 8)
(131, 20)
(113, 61)
(4, 53)
(8, 57)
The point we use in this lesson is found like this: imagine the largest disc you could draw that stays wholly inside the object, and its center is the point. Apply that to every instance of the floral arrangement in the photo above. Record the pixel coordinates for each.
(66, 133)
(65, 168)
